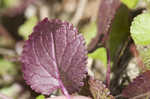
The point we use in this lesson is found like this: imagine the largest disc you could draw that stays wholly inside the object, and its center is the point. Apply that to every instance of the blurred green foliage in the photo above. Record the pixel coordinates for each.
(7, 67)
(99, 54)
(26, 29)
(8, 3)
(89, 32)
(40, 97)
(130, 3)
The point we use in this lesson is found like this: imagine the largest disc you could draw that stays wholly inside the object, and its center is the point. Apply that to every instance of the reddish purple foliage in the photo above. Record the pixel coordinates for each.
(107, 11)
(54, 56)
(139, 86)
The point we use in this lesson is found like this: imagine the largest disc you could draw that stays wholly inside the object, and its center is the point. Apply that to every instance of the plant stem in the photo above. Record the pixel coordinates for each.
(64, 90)
(108, 67)
(138, 58)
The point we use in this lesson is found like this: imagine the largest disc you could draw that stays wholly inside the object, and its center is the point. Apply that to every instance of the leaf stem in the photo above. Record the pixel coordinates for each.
(136, 54)
(64, 90)
(108, 67)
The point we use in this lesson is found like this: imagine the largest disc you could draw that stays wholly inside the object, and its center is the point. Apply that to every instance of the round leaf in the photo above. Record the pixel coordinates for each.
(54, 57)
(140, 29)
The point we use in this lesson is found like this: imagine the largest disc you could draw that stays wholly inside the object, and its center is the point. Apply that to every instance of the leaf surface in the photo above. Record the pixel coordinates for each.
(138, 87)
(140, 33)
(107, 11)
(120, 30)
(140, 30)
(99, 90)
(53, 57)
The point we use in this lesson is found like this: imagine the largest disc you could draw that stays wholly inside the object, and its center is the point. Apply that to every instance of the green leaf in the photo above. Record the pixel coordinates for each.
(40, 97)
(140, 32)
(99, 54)
(26, 29)
(140, 29)
(120, 30)
(130, 3)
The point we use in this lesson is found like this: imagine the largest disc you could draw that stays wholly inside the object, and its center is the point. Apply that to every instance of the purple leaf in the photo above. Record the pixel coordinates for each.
(107, 11)
(139, 87)
(54, 57)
